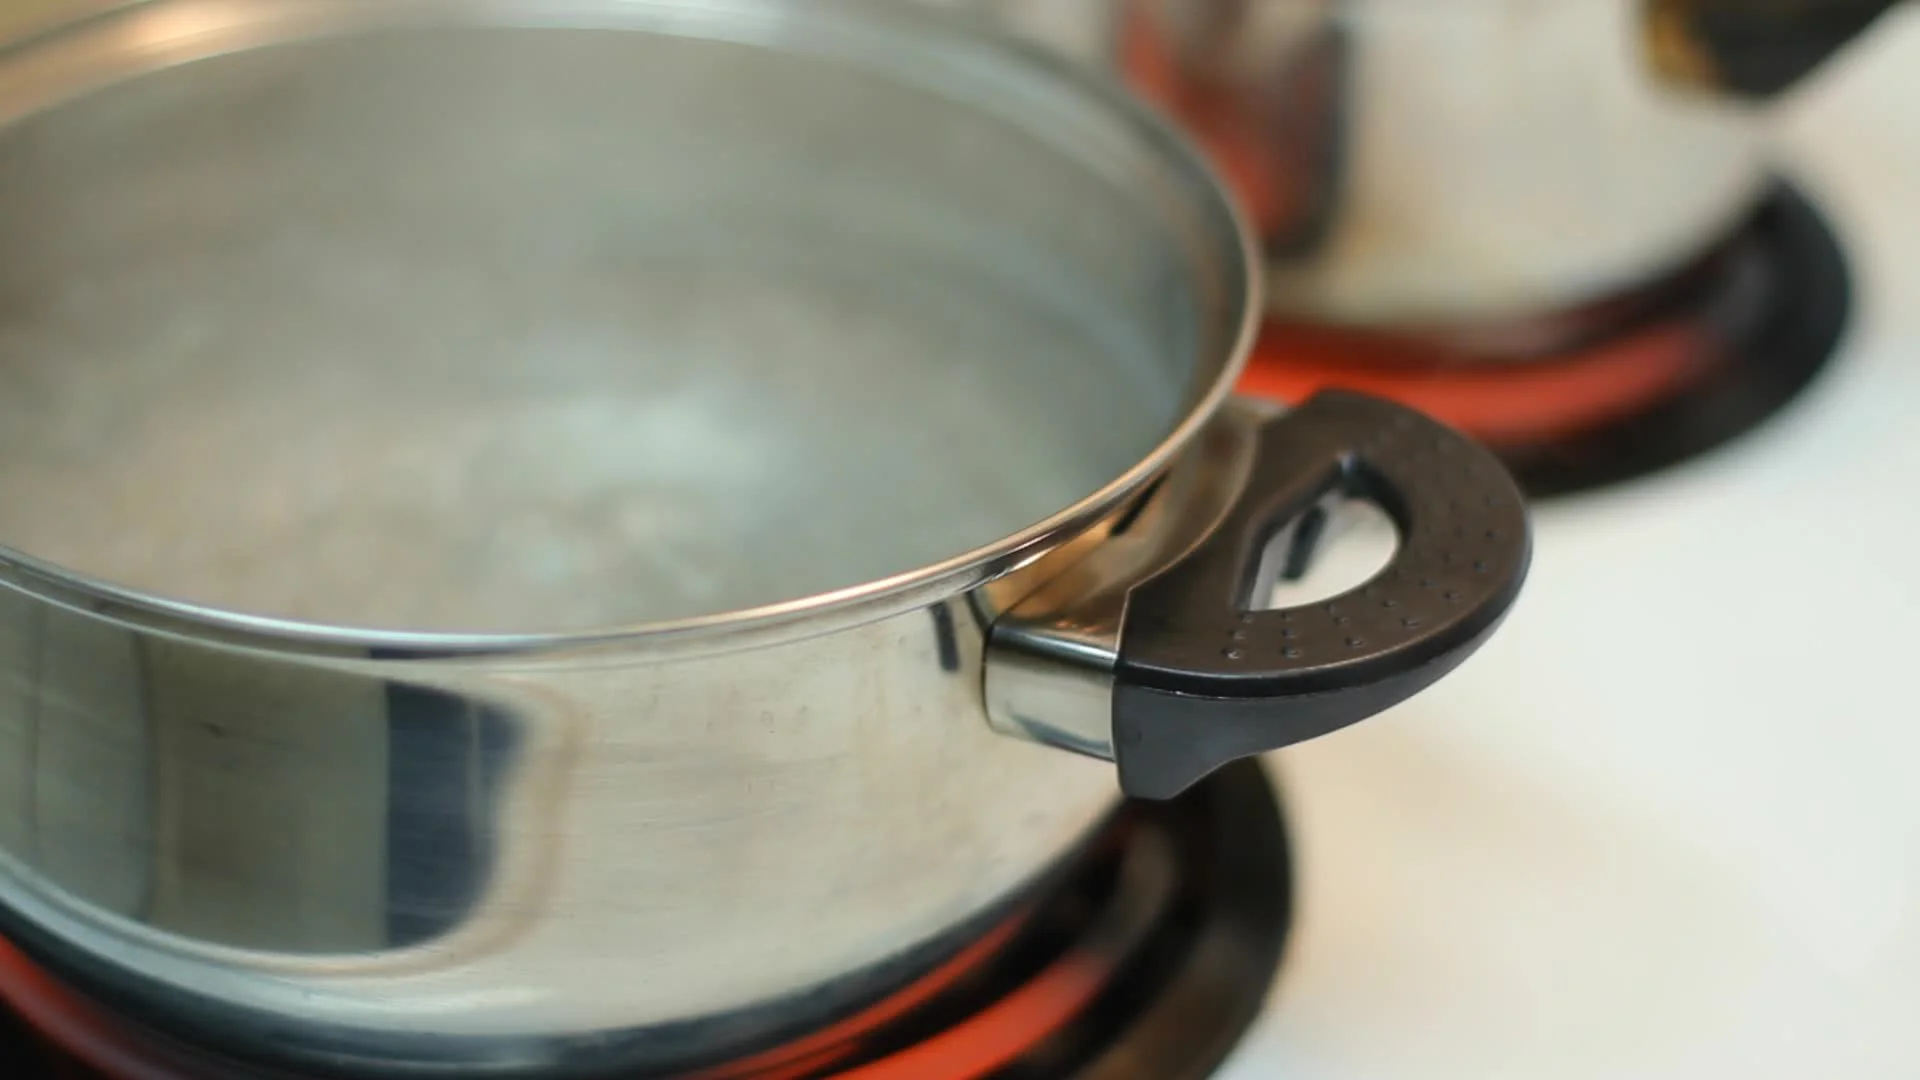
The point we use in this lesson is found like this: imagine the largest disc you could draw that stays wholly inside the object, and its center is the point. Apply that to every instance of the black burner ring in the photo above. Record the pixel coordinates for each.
(1784, 330)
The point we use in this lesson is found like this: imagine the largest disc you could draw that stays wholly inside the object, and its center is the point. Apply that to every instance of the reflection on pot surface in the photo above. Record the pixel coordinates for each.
(138, 766)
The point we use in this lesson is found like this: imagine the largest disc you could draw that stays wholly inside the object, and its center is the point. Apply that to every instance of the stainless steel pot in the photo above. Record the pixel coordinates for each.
(1428, 166)
(545, 531)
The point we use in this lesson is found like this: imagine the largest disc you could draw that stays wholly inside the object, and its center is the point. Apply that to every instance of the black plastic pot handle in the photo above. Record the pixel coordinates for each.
(1202, 680)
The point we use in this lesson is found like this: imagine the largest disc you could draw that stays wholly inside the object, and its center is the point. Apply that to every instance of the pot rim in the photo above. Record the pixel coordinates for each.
(1203, 192)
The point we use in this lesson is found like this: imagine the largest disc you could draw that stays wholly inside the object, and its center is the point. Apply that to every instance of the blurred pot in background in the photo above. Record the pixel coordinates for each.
(1474, 165)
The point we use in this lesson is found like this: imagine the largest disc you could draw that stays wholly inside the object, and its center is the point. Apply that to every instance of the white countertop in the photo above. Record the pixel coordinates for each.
(1668, 823)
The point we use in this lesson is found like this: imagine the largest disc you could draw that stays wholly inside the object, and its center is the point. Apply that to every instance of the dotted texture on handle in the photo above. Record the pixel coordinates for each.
(1203, 677)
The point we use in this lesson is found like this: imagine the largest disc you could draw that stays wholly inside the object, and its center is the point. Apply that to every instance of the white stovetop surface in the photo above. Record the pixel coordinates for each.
(1668, 823)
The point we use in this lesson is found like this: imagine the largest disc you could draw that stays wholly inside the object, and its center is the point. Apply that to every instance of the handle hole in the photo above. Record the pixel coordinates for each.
(1335, 547)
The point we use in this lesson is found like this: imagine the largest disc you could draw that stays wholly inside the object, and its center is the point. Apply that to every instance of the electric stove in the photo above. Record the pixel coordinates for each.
(1662, 826)
(1665, 825)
